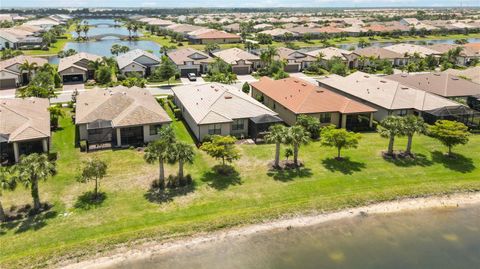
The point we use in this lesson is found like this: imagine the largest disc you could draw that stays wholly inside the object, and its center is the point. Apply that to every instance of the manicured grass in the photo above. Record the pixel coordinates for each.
(253, 194)
(53, 50)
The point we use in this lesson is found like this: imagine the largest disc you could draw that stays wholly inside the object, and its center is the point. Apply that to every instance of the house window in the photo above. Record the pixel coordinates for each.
(214, 129)
(325, 117)
(238, 125)
(154, 129)
(402, 112)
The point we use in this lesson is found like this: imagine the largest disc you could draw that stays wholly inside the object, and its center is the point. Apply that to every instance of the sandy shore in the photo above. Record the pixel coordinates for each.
(147, 250)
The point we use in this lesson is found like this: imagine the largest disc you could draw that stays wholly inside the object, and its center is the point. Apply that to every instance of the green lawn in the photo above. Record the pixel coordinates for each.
(131, 212)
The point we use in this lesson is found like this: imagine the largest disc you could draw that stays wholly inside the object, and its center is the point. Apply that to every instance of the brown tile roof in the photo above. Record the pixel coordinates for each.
(379, 52)
(70, 61)
(21, 59)
(180, 56)
(442, 84)
(293, 55)
(215, 34)
(24, 119)
(301, 97)
(123, 106)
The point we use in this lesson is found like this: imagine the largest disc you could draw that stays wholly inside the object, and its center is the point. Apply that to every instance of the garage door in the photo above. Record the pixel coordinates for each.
(7, 83)
(241, 70)
(184, 72)
(291, 68)
(72, 78)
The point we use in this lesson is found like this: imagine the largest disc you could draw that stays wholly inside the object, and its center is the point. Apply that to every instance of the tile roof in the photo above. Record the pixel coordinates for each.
(214, 103)
(386, 93)
(180, 56)
(72, 61)
(22, 59)
(212, 34)
(472, 73)
(293, 55)
(120, 105)
(442, 84)
(378, 52)
(131, 57)
(301, 97)
(24, 119)
(411, 49)
(329, 53)
(233, 55)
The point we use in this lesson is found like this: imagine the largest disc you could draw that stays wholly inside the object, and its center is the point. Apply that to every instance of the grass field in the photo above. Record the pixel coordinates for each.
(76, 229)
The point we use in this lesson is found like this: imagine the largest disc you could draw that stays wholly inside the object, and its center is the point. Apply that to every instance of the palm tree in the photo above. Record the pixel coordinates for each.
(390, 127)
(29, 67)
(85, 29)
(115, 49)
(296, 136)
(277, 135)
(411, 125)
(33, 168)
(160, 150)
(268, 54)
(7, 182)
(135, 29)
(78, 30)
(183, 153)
(129, 27)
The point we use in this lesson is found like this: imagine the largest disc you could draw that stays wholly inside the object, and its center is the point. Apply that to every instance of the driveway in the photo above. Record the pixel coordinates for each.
(186, 81)
(7, 93)
(70, 87)
(246, 78)
(300, 75)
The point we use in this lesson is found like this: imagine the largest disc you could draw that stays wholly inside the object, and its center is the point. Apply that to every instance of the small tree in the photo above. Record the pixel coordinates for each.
(412, 125)
(339, 138)
(94, 169)
(246, 88)
(288, 153)
(277, 135)
(311, 124)
(32, 169)
(222, 147)
(103, 74)
(449, 133)
(56, 113)
(296, 136)
(160, 150)
(211, 47)
(390, 127)
(7, 182)
(166, 70)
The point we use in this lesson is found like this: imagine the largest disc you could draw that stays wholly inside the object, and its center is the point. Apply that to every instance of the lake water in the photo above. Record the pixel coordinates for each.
(430, 239)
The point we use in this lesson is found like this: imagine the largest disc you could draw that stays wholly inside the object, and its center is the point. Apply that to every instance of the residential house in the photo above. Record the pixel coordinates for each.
(263, 26)
(190, 60)
(208, 36)
(19, 38)
(295, 60)
(278, 33)
(24, 127)
(137, 61)
(234, 27)
(397, 59)
(411, 49)
(118, 117)
(219, 109)
(10, 74)
(348, 57)
(292, 97)
(242, 62)
(76, 68)
(44, 23)
(472, 73)
(442, 84)
(387, 96)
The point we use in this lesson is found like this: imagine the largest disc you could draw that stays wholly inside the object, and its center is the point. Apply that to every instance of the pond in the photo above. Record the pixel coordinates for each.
(417, 42)
(435, 238)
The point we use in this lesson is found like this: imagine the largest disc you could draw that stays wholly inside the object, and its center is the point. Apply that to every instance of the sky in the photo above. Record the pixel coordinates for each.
(235, 3)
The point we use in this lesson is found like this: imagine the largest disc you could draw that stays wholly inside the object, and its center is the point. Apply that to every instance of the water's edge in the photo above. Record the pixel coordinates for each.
(152, 249)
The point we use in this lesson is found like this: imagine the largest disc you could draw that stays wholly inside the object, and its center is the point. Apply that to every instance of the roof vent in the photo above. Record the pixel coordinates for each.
(454, 78)
(303, 84)
(436, 74)
(228, 97)
(296, 81)
(383, 81)
(404, 88)
(319, 91)
(366, 76)
(404, 75)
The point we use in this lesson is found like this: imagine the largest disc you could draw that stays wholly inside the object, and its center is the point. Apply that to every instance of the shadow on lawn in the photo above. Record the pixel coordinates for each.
(25, 219)
(455, 162)
(221, 177)
(158, 196)
(290, 174)
(407, 161)
(344, 165)
(88, 200)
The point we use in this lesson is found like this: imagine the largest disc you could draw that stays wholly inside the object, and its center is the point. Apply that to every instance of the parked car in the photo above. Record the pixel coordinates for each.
(192, 77)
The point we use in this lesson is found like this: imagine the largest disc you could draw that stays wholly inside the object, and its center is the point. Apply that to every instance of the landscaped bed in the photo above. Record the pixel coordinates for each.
(251, 194)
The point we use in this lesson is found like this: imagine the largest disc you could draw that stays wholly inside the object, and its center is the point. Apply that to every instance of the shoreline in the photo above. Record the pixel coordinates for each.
(147, 250)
